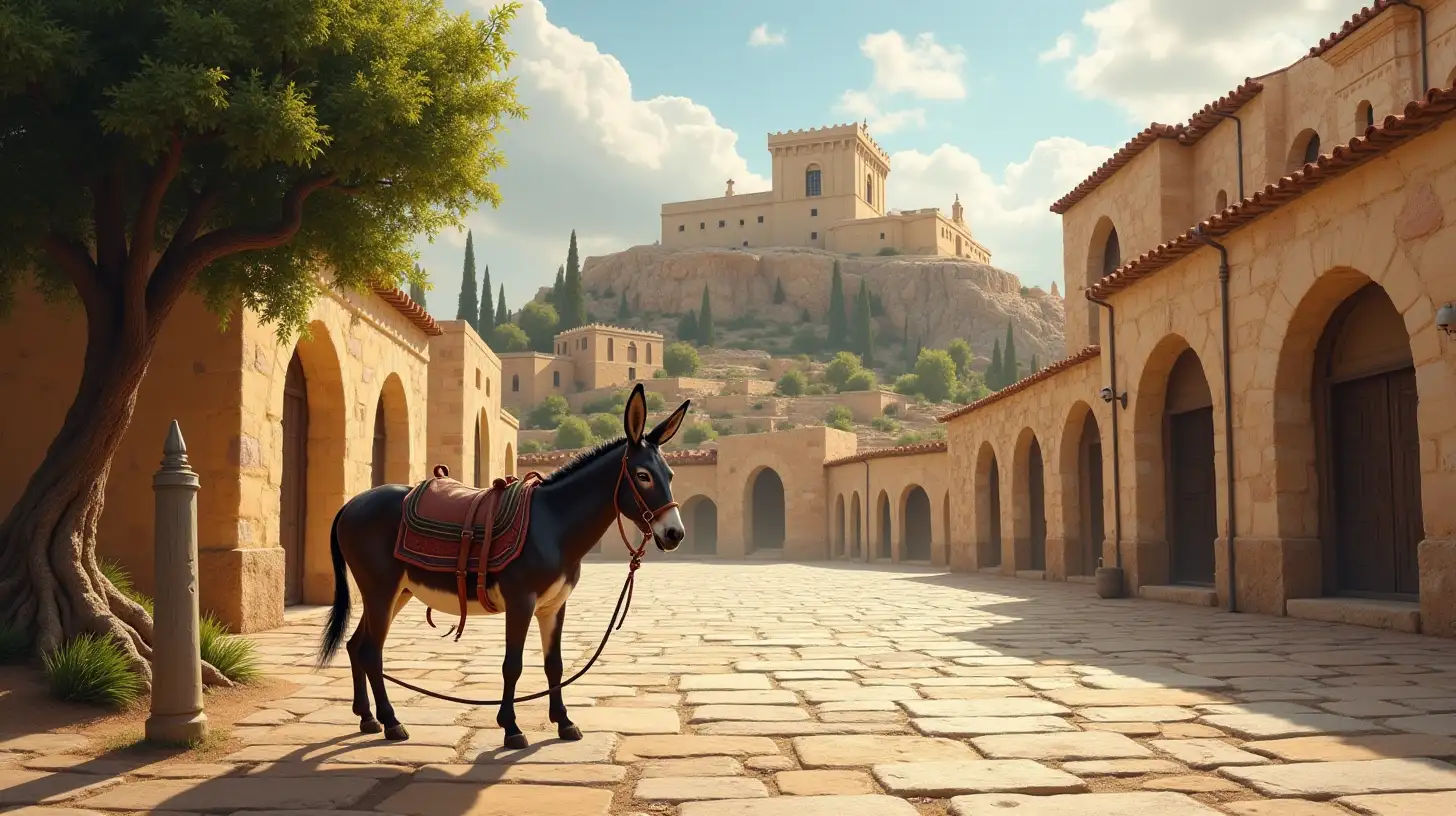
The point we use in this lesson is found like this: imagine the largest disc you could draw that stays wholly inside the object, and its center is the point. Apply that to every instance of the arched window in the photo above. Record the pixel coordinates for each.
(811, 181)
(611, 350)
(631, 352)
(1312, 149)
(1220, 201)
(515, 382)
(649, 354)
(869, 189)
(1364, 116)
(1111, 254)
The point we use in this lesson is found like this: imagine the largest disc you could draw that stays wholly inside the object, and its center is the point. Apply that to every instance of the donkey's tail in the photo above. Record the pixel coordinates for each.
(339, 614)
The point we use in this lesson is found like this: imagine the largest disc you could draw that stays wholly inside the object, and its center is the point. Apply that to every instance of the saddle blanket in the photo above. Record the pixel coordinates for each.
(434, 518)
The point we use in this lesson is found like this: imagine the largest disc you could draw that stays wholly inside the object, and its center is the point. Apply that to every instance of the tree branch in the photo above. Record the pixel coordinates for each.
(108, 212)
(144, 229)
(75, 261)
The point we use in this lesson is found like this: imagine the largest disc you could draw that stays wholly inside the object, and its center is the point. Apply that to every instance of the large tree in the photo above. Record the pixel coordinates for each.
(486, 322)
(707, 335)
(502, 314)
(863, 330)
(467, 307)
(838, 325)
(1010, 367)
(573, 298)
(231, 147)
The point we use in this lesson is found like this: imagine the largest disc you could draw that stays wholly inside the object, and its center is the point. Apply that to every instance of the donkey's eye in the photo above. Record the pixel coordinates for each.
(645, 478)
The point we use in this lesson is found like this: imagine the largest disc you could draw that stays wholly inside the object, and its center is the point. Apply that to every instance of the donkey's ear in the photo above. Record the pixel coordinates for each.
(668, 428)
(634, 419)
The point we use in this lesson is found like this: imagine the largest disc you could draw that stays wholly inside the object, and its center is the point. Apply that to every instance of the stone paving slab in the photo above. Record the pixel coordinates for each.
(1325, 780)
(318, 792)
(676, 789)
(1402, 804)
(871, 805)
(1095, 804)
(861, 751)
(1061, 747)
(435, 798)
(982, 726)
(944, 779)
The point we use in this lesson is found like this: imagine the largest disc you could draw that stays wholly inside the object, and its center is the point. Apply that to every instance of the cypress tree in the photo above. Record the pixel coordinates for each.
(837, 338)
(501, 315)
(468, 307)
(993, 372)
(705, 320)
(417, 291)
(1011, 370)
(864, 333)
(687, 328)
(487, 312)
(573, 307)
(623, 312)
(779, 296)
(557, 288)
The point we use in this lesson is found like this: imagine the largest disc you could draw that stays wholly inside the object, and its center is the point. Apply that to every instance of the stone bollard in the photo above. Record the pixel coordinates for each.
(177, 715)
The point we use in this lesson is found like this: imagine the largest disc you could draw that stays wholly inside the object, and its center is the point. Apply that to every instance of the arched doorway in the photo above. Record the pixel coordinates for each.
(381, 446)
(766, 506)
(916, 546)
(856, 524)
(1369, 449)
(1090, 493)
(476, 457)
(839, 526)
(701, 518)
(1192, 503)
(886, 548)
(988, 508)
(293, 487)
(1104, 255)
(510, 459)
(1031, 512)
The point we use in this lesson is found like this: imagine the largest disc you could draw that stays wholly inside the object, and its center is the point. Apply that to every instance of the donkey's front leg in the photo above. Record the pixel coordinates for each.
(550, 624)
(519, 608)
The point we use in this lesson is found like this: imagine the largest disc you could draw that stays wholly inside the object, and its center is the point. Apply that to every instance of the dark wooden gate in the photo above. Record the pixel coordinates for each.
(293, 499)
(1376, 457)
(381, 446)
(1036, 505)
(1090, 466)
(1192, 505)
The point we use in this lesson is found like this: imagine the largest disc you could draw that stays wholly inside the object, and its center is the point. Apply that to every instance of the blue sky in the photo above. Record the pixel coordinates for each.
(1008, 105)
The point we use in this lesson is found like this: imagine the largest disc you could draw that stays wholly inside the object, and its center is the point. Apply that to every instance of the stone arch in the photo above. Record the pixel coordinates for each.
(988, 507)
(839, 544)
(510, 459)
(1084, 494)
(700, 516)
(915, 524)
(765, 504)
(515, 383)
(313, 482)
(1451, 80)
(1104, 255)
(869, 189)
(631, 351)
(1177, 498)
(1028, 503)
(885, 528)
(1364, 116)
(813, 181)
(856, 526)
(1345, 409)
(481, 456)
(391, 450)
(1305, 149)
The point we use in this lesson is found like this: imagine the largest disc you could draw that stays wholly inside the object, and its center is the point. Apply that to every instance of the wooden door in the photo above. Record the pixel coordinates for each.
(1375, 451)
(1036, 504)
(1192, 506)
(293, 498)
(381, 446)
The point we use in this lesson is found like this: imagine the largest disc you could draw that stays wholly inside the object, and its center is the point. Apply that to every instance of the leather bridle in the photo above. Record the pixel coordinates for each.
(643, 521)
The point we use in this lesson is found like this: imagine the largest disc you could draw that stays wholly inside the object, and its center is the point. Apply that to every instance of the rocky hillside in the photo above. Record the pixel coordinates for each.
(941, 298)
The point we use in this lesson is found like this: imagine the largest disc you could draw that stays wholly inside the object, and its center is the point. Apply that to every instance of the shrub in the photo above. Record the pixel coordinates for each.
(935, 372)
(884, 424)
(910, 438)
(660, 374)
(235, 657)
(862, 380)
(508, 337)
(723, 429)
(603, 405)
(841, 368)
(818, 389)
(573, 432)
(549, 413)
(907, 384)
(680, 360)
(91, 669)
(698, 433)
(532, 446)
(892, 409)
(960, 352)
(14, 644)
(753, 427)
(806, 341)
(759, 406)
(790, 385)
(655, 402)
(887, 251)
(937, 433)
(120, 579)
(605, 426)
(839, 417)
(787, 426)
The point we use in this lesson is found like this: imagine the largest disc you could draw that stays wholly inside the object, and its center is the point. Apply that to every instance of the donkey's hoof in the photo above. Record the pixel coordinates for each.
(369, 725)
(396, 733)
(516, 742)
(568, 732)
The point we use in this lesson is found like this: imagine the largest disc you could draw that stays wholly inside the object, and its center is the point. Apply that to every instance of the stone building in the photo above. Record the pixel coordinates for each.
(586, 358)
(280, 434)
(828, 192)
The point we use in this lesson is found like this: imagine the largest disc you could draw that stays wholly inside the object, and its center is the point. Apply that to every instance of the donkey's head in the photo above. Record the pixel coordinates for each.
(645, 491)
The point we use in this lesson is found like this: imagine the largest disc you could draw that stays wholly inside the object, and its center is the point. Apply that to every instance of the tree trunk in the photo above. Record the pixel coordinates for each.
(50, 581)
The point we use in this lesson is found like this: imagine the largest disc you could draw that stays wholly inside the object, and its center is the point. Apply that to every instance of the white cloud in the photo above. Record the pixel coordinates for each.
(1060, 50)
(923, 69)
(1164, 59)
(861, 105)
(761, 36)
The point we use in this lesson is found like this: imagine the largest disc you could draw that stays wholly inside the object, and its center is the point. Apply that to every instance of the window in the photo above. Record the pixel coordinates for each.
(1365, 116)
(631, 373)
(1111, 254)
(740, 222)
(556, 379)
(487, 386)
(515, 382)
(882, 236)
(1220, 201)
(745, 243)
(681, 227)
(1312, 149)
(760, 219)
(610, 349)
(811, 181)
(813, 212)
(869, 189)
(582, 343)
(631, 352)
(477, 378)
(721, 223)
(702, 225)
(813, 236)
(649, 352)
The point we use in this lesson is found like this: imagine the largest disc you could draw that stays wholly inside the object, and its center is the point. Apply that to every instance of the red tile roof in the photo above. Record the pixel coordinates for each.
(938, 446)
(1026, 382)
(1420, 117)
(1352, 25)
(406, 305)
(1199, 125)
(677, 457)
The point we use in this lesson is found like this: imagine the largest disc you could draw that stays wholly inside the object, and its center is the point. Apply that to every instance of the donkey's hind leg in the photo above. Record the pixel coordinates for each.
(520, 605)
(551, 624)
(357, 667)
(376, 619)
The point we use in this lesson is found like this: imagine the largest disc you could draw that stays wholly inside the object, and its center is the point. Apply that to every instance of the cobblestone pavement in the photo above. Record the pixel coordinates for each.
(762, 689)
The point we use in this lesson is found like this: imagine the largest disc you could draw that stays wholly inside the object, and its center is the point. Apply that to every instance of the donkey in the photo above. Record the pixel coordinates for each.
(570, 511)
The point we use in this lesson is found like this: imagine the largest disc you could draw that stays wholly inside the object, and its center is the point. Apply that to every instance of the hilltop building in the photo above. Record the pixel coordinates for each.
(588, 357)
(828, 193)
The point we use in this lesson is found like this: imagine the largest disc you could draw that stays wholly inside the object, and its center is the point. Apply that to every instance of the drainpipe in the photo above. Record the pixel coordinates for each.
(1116, 438)
(1228, 410)
(1425, 68)
(1239, 137)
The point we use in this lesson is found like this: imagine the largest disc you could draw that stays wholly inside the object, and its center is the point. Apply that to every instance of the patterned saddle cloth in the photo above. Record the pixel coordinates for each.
(442, 515)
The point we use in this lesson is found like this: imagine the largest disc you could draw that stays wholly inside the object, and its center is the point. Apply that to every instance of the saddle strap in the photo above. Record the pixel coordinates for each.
(492, 506)
(467, 542)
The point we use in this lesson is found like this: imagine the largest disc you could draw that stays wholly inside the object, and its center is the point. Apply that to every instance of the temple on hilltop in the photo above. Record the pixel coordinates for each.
(828, 193)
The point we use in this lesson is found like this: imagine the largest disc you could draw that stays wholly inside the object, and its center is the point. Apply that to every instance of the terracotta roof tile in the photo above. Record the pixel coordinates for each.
(677, 457)
(1352, 25)
(1026, 382)
(1419, 117)
(406, 305)
(1209, 116)
(937, 446)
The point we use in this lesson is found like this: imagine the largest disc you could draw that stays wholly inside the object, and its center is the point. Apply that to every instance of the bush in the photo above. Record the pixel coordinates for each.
(655, 402)
(91, 669)
(604, 405)
(236, 657)
(753, 427)
(698, 433)
(818, 389)
(887, 251)
(14, 645)
(960, 352)
(806, 341)
(935, 372)
(910, 438)
(573, 432)
(680, 360)
(907, 384)
(660, 374)
(532, 446)
(549, 413)
(839, 417)
(539, 321)
(605, 426)
(787, 426)
(884, 424)
(844, 365)
(862, 380)
(723, 429)
(508, 337)
(792, 384)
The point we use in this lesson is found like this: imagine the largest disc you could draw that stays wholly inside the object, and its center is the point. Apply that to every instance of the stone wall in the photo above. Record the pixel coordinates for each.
(890, 479)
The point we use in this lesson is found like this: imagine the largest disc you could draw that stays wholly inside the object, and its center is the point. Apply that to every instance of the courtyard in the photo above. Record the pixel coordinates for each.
(762, 689)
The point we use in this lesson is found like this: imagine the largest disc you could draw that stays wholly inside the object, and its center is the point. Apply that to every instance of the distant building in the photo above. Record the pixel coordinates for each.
(592, 356)
(828, 193)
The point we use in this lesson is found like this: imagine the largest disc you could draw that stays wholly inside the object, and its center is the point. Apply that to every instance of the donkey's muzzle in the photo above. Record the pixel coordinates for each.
(670, 539)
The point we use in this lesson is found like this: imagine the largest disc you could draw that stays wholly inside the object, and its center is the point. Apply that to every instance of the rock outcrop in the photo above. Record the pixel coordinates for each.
(941, 298)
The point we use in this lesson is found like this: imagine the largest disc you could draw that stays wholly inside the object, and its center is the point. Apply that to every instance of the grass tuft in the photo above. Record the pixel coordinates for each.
(236, 657)
(121, 579)
(91, 669)
(14, 644)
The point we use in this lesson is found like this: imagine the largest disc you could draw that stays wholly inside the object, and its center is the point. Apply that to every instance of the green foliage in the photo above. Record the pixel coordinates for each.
(502, 314)
(235, 657)
(907, 384)
(862, 380)
(787, 426)
(680, 359)
(698, 433)
(687, 327)
(572, 433)
(549, 413)
(705, 320)
(539, 321)
(655, 401)
(971, 391)
(884, 424)
(723, 429)
(792, 383)
(508, 337)
(818, 390)
(1010, 368)
(910, 438)
(806, 341)
(887, 251)
(862, 332)
(604, 405)
(532, 446)
(467, 308)
(14, 644)
(779, 296)
(121, 579)
(995, 373)
(935, 372)
(840, 417)
(753, 427)
(605, 426)
(892, 409)
(486, 323)
(660, 374)
(844, 365)
(1025, 290)
(624, 312)
(838, 327)
(558, 288)
(416, 288)
(92, 669)
(960, 353)
(572, 305)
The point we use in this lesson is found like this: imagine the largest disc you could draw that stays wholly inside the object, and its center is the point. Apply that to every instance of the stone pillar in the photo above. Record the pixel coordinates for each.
(177, 714)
